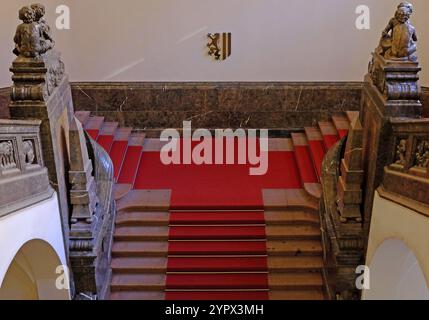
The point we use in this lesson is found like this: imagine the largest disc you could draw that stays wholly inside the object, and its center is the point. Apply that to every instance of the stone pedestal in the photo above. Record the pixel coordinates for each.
(398, 87)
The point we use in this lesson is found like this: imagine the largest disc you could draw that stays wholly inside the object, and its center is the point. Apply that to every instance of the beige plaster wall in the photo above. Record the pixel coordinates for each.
(164, 40)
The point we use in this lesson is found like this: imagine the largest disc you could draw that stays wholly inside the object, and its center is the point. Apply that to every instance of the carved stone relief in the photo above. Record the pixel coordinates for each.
(29, 152)
(401, 150)
(422, 154)
(7, 155)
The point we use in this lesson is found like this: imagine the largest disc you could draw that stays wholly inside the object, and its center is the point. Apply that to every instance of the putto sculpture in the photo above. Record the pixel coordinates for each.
(36, 56)
(399, 38)
(33, 36)
(394, 67)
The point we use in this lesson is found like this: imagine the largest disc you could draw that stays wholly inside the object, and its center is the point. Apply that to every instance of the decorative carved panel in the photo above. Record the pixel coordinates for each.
(421, 159)
(7, 155)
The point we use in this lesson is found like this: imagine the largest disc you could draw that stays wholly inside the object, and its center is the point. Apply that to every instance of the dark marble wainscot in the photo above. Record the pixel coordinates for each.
(210, 105)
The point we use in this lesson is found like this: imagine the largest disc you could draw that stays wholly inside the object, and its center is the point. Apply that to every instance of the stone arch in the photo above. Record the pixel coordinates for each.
(396, 273)
(35, 273)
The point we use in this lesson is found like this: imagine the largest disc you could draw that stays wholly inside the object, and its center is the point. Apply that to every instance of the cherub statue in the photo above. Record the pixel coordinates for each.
(47, 42)
(399, 38)
(27, 38)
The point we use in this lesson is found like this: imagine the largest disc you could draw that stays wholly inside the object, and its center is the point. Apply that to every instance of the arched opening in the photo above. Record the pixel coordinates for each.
(35, 274)
(395, 274)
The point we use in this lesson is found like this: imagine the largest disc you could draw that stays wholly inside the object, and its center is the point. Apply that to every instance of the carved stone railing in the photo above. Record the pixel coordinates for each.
(342, 239)
(41, 90)
(23, 178)
(406, 177)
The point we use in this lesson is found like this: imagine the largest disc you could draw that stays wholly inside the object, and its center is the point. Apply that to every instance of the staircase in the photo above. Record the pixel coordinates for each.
(270, 250)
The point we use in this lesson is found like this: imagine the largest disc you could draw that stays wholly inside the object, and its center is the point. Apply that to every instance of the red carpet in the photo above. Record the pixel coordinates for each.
(131, 163)
(105, 141)
(198, 186)
(330, 140)
(216, 232)
(93, 133)
(217, 295)
(223, 217)
(217, 264)
(218, 281)
(117, 154)
(305, 164)
(217, 247)
(342, 133)
(317, 153)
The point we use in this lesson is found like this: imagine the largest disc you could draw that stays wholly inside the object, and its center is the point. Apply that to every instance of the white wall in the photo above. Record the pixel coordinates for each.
(39, 222)
(164, 40)
(397, 252)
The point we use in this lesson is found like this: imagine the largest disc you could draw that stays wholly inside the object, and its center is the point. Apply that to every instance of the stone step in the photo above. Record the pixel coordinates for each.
(82, 116)
(342, 124)
(138, 295)
(295, 281)
(138, 282)
(293, 232)
(296, 295)
(294, 248)
(283, 217)
(141, 233)
(139, 265)
(273, 248)
(294, 264)
(140, 249)
(142, 218)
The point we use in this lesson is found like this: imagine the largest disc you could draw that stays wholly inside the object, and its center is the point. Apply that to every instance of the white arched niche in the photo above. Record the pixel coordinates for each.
(395, 274)
(34, 275)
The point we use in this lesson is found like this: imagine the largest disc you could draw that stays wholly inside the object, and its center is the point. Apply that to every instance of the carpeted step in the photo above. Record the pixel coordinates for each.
(93, 126)
(138, 295)
(251, 247)
(130, 166)
(296, 295)
(317, 147)
(142, 218)
(329, 133)
(119, 148)
(294, 248)
(342, 124)
(141, 233)
(303, 158)
(138, 282)
(216, 217)
(283, 217)
(217, 281)
(216, 232)
(217, 264)
(140, 249)
(295, 264)
(295, 281)
(107, 134)
(217, 295)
